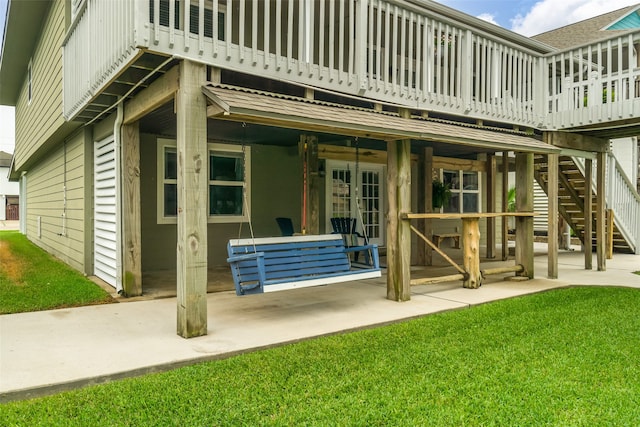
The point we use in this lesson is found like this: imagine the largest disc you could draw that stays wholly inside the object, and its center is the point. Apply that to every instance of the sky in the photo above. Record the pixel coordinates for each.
(531, 17)
(527, 17)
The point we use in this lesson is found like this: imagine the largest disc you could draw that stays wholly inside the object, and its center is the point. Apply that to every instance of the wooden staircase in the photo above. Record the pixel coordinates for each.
(571, 190)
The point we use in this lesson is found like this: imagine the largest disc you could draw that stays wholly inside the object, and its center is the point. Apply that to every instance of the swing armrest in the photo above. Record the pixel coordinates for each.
(374, 252)
(245, 257)
(236, 267)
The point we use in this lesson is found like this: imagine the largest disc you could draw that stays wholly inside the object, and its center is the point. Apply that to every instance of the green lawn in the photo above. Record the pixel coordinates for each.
(32, 280)
(564, 357)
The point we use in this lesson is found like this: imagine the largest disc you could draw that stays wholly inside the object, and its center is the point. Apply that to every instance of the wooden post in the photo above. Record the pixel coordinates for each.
(193, 158)
(471, 252)
(610, 219)
(313, 186)
(428, 200)
(552, 220)
(505, 192)
(588, 214)
(425, 190)
(491, 205)
(524, 203)
(398, 231)
(131, 221)
(601, 167)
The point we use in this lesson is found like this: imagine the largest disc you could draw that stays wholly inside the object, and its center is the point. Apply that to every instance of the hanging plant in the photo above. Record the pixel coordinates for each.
(440, 194)
(511, 200)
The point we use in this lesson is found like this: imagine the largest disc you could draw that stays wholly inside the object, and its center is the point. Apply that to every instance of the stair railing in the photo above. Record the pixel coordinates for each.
(620, 196)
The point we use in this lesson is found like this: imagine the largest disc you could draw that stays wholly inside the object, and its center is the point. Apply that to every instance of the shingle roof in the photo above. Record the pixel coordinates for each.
(5, 159)
(587, 31)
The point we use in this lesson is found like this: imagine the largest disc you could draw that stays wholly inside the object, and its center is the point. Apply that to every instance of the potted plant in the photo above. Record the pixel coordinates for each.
(440, 194)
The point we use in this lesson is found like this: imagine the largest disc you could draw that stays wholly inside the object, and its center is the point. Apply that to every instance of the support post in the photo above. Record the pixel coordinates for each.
(601, 168)
(491, 205)
(524, 203)
(311, 180)
(505, 201)
(610, 218)
(588, 214)
(193, 158)
(398, 231)
(131, 221)
(471, 252)
(552, 220)
(425, 196)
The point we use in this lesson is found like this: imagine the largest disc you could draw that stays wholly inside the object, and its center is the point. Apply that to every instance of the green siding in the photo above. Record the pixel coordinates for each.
(629, 22)
(45, 200)
(275, 190)
(36, 122)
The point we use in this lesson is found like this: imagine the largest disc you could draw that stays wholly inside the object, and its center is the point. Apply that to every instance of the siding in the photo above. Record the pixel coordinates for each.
(37, 121)
(45, 187)
(275, 191)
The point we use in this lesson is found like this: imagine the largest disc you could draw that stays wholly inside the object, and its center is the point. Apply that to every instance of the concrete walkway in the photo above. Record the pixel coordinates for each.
(50, 351)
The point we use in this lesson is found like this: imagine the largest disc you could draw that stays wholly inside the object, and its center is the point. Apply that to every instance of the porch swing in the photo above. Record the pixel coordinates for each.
(270, 264)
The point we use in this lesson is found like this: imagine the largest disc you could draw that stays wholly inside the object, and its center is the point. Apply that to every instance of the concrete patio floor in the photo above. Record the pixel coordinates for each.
(50, 351)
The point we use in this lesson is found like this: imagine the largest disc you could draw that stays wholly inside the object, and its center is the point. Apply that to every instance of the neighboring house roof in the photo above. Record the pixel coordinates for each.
(5, 159)
(601, 27)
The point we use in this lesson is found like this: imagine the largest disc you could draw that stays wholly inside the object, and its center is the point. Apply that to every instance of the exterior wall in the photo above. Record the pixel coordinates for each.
(6, 189)
(55, 220)
(38, 120)
(275, 191)
(626, 152)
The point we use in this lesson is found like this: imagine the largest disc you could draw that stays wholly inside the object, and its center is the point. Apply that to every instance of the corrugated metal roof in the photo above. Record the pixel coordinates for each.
(299, 113)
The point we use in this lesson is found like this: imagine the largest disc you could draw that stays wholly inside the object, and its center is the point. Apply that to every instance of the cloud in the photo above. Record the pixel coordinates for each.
(546, 15)
(488, 17)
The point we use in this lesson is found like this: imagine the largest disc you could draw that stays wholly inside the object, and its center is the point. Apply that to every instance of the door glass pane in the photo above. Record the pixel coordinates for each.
(341, 193)
(370, 206)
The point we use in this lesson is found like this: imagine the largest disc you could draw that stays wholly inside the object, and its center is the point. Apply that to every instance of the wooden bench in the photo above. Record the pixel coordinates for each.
(278, 263)
(439, 237)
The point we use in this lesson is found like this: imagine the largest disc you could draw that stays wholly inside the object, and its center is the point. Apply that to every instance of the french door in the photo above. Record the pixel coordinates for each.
(359, 197)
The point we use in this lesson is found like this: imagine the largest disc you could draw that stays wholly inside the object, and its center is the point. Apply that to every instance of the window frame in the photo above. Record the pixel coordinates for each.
(461, 191)
(212, 148)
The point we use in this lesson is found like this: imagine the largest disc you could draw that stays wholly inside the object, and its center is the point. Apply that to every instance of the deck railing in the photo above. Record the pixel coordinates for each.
(98, 45)
(385, 50)
(595, 83)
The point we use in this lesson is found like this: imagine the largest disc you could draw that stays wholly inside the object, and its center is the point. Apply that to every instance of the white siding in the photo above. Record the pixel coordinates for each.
(105, 226)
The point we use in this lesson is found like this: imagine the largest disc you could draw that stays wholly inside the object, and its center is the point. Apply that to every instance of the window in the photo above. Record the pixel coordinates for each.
(29, 83)
(465, 191)
(229, 168)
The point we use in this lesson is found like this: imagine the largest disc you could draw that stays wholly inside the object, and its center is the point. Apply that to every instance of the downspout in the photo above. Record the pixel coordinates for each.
(117, 140)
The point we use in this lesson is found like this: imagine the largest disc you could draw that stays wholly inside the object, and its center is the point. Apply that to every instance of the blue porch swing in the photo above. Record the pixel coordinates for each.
(272, 264)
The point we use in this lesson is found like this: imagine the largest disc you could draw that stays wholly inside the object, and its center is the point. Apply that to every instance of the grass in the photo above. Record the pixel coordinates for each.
(32, 280)
(564, 357)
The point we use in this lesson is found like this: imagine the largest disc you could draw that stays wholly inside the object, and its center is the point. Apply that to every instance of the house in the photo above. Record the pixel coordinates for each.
(150, 132)
(9, 191)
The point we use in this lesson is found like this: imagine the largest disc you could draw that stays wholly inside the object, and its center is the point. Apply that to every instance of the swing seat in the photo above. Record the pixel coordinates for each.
(278, 263)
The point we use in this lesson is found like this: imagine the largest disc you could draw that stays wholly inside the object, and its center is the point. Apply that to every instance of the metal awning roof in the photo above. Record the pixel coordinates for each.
(252, 106)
